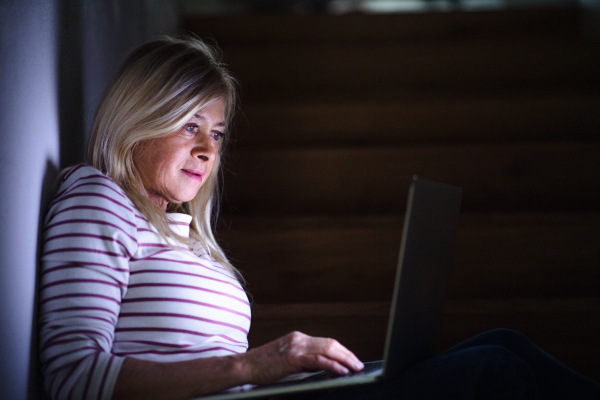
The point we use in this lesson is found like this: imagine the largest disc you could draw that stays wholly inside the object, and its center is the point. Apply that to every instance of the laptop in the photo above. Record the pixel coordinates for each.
(417, 303)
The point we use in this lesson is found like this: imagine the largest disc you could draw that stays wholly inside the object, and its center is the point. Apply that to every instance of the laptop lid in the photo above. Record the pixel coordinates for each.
(426, 251)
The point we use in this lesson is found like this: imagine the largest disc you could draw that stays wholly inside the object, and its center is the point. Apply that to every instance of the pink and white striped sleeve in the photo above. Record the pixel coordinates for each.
(89, 236)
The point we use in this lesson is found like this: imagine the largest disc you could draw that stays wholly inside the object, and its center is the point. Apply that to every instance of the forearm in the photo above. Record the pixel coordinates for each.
(289, 354)
(140, 379)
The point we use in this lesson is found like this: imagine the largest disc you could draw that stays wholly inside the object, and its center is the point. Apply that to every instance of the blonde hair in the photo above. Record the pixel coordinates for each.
(158, 87)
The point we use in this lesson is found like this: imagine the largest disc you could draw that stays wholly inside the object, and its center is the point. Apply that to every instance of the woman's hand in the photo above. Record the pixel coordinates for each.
(297, 352)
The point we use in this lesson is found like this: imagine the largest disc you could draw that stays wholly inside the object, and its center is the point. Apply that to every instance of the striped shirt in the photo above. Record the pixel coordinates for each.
(111, 288)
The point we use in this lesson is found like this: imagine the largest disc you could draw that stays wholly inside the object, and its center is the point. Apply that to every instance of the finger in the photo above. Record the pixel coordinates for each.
(332, 365)
(337, 352)
(316, 362)
(309, 352)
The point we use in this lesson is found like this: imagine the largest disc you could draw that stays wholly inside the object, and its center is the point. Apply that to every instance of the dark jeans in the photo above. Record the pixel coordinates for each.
(499, 364)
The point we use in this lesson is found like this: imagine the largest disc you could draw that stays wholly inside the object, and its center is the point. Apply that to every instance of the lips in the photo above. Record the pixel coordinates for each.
(194, 174)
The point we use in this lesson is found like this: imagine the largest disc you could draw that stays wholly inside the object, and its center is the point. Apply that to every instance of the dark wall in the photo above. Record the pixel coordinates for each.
(56, 58)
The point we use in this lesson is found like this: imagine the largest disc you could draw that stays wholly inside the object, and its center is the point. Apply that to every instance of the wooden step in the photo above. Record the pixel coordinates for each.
(522, 255)
(360, 326)
(289, 29)
(346, 259)
(522, 117)
(567, 328)
(502, 177)
(277, 73)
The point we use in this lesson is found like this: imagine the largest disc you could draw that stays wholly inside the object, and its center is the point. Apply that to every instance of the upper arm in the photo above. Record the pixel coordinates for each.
(89, 236)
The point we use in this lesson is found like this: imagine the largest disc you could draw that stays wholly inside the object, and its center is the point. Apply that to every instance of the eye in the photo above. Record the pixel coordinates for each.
(191, 128)
(217, 135)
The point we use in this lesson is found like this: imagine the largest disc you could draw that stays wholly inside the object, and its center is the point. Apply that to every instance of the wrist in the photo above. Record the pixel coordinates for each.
(240, 368)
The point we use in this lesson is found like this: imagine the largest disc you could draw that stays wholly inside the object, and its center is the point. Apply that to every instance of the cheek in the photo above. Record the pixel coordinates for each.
(154, 168)
(144, 167)
(165, 161)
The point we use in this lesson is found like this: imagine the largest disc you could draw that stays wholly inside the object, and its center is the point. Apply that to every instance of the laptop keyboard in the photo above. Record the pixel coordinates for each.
(370, 367)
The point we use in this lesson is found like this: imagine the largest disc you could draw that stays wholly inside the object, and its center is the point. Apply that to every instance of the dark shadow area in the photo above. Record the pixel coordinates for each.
(339, 111)
(71, 125)
(70, 84)
(35, 386)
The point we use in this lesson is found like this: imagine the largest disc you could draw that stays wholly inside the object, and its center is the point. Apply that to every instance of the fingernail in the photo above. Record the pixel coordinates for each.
(359, 365)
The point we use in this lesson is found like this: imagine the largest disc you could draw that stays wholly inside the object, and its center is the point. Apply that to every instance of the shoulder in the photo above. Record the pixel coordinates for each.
(83, 183)
(85, 188)
(89, 177)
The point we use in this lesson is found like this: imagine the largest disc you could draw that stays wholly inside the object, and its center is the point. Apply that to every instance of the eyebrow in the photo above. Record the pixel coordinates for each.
(202, 117)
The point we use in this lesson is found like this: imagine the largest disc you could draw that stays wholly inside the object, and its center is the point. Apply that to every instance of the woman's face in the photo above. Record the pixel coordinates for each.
(173, 168)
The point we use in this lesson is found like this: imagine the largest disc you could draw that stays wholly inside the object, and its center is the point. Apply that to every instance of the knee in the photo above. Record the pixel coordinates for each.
(495, 354)
(512, 340)
(504, 337)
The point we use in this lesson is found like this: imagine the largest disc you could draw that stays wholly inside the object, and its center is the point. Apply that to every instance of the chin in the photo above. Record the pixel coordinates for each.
(186, 199)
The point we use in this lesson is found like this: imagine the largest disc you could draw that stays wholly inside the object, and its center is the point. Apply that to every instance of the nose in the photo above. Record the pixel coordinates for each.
(205, 148)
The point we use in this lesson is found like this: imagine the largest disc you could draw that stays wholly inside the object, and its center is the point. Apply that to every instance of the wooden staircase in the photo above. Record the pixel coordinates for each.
(339, 112)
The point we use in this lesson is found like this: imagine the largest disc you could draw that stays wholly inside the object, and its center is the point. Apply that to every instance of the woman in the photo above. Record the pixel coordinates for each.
(121, 293)
(139, 301)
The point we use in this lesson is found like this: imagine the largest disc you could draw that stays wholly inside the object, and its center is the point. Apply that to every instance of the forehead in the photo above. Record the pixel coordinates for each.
(213, 112)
